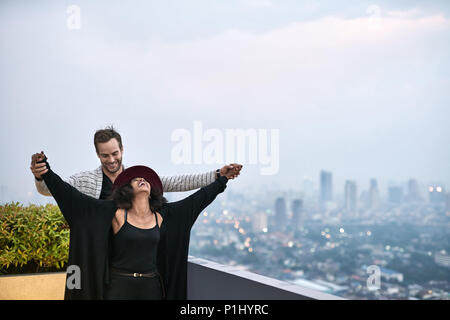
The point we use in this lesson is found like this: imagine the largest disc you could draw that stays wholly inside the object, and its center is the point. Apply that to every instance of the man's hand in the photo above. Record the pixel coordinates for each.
(38, 169)
(231, 171)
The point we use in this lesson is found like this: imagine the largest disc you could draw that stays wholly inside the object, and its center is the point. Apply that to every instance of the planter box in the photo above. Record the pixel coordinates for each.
(38, 286)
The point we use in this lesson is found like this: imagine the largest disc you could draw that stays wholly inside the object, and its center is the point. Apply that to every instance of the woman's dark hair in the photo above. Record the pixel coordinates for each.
(123, 197)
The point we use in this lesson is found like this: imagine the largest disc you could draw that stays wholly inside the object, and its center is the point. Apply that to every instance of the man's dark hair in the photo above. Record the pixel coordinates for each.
(104, 135)
(123, 197)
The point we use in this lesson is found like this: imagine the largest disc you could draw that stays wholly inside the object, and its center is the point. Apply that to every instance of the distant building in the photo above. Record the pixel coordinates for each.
(373, 197)
(442, 259)
(326, 186)
(436, 193)
(280, 222)
(350, 197)
(297, 214)
(259, 222)
(395, 194)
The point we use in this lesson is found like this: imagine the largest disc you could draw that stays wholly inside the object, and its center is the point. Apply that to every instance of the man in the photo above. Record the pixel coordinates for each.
(98, 183)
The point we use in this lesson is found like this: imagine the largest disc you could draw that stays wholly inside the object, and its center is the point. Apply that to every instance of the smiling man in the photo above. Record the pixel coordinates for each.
(98, 183)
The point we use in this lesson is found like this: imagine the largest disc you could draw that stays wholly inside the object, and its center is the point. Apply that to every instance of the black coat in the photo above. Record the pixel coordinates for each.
(90, 231)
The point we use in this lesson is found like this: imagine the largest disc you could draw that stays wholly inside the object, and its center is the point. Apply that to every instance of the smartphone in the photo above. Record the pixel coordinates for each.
(43, 160)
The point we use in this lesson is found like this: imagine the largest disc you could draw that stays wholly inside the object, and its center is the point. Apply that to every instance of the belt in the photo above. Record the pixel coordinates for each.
(135, 274)
(142, 275)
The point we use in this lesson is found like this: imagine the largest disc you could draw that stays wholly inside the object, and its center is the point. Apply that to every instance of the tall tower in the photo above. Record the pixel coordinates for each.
(280, 222)
(326, 186)
(373, 197)
(297, 214)
(350, 197)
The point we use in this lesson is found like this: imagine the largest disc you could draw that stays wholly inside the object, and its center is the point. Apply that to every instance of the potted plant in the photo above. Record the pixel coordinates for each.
(34, 245)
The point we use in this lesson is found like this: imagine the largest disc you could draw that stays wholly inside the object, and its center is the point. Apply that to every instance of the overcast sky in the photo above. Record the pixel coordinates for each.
(358, 88)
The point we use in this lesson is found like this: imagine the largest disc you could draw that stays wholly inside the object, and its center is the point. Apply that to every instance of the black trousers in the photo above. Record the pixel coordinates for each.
(130, 288)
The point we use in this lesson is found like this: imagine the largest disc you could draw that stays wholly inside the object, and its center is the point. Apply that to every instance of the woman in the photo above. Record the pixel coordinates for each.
(133, 246)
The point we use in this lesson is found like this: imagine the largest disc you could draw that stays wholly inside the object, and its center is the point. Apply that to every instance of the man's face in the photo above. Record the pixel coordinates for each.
(110, 155)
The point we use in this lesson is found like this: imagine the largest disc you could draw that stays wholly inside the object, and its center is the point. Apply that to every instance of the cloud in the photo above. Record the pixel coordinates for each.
(327, 58)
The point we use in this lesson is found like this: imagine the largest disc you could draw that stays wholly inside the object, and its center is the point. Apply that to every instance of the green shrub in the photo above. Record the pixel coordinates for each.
(32, 239)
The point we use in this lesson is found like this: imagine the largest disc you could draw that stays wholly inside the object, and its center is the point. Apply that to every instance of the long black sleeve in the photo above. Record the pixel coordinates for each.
(189, 208)
(73, 204)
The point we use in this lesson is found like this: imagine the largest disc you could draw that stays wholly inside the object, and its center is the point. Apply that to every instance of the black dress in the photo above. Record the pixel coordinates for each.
(133, 251)
(90, 222)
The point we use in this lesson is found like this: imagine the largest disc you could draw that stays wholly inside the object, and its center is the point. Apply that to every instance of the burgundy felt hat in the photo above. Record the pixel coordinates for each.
(139, 172)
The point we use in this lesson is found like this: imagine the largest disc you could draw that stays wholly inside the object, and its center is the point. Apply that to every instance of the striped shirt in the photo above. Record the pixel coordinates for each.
(90, 182)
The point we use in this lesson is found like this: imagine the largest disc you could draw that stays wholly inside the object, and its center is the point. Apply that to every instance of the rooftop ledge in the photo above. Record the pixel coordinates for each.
(208, 280)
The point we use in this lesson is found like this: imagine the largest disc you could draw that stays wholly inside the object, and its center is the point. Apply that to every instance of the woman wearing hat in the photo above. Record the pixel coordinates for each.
(133, 245)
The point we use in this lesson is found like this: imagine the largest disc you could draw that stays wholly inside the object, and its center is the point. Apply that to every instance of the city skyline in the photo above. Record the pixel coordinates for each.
(420, 189)
(332, 251)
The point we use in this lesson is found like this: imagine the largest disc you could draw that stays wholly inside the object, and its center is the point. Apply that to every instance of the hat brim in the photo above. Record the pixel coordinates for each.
(139, 172)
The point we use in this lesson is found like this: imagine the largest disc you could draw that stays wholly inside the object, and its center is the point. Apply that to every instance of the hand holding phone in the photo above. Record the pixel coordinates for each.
(38, 165)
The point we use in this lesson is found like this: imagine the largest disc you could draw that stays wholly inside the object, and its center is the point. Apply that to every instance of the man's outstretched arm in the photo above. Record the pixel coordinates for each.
(195, 181)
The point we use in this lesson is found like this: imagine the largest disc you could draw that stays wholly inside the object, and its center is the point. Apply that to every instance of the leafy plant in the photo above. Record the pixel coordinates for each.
(32, 239)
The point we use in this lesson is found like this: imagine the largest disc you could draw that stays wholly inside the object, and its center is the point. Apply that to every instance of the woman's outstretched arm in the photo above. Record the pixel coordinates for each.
(72, 203)
(189, 208)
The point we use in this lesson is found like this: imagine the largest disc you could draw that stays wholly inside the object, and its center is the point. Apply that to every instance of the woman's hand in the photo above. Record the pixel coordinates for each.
(38, 169)
(231, 171)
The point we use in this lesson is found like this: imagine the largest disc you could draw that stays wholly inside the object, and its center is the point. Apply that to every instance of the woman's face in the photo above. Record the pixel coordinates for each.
(140, 185)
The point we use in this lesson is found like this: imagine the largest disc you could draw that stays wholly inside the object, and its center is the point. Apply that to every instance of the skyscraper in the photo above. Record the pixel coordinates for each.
(297, 214)
(350, 197)
(436, 193)
(280, 222)
(373, 197)
(326, 186)
(259, 222)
